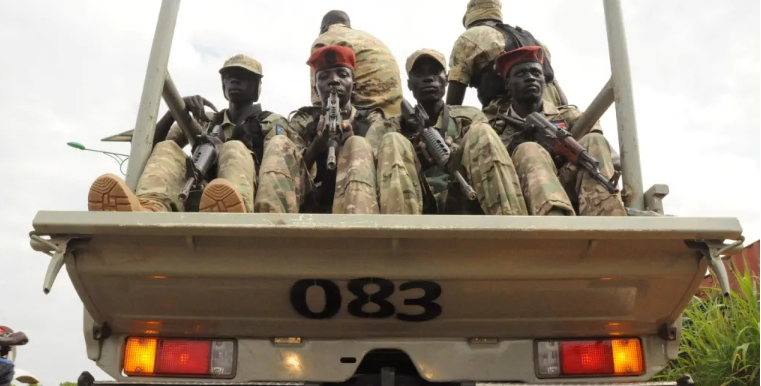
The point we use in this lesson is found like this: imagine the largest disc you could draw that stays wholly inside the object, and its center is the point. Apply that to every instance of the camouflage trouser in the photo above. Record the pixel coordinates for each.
(544, 191)
(398, 178)
(356, 185)
(281, 178)
(593, 198)
(165, 173)
(491, 172)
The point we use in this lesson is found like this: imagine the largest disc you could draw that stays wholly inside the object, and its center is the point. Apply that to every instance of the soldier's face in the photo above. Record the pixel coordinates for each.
(342, 78)
(427, 80)
(526, 82)
(240, 86)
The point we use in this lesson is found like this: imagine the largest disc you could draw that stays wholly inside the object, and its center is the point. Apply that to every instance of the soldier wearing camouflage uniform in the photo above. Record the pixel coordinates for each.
(548, 192)
(246, 128)
(471, 63)
(379, 84)
(478, 153)
(295, 178)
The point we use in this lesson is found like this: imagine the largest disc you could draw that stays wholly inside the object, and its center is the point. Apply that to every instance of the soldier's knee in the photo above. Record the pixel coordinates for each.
(593, 139)
(280, 142)
(397, 142)
(234, 147)
(357, 143)
(167, 146)
(529, 150)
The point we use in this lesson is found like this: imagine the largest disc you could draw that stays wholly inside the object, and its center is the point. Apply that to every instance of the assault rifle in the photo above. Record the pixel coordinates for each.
(204, 156)
(333, 121)
(435, 145)
(561, 142)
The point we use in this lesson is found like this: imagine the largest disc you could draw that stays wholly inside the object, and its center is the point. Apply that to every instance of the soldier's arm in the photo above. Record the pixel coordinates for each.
(270, 129)
(461, 64)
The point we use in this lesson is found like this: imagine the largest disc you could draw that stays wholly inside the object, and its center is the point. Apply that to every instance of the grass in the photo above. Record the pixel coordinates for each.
(720, 338)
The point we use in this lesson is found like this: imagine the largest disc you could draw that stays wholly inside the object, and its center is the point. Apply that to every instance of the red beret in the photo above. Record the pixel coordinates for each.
(507, 60)
(332, 56)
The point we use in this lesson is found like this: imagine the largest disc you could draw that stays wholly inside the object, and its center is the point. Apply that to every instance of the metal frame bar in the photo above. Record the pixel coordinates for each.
(624, 98)
(594, 112)
(153, 86)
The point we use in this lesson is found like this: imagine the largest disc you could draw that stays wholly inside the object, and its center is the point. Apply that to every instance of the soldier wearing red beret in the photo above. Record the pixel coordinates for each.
(547, 191)
(293, 182)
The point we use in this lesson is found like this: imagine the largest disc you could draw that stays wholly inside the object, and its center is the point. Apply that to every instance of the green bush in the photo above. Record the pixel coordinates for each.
(720, 338)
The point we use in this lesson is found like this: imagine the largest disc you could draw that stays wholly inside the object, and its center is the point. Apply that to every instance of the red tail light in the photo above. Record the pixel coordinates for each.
(580, 357)
(183, 357)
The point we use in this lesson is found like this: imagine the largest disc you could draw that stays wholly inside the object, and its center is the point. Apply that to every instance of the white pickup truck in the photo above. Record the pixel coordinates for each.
(309, 299)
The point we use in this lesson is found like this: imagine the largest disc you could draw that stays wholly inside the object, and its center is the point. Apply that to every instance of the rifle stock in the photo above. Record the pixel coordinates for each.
(435, 145)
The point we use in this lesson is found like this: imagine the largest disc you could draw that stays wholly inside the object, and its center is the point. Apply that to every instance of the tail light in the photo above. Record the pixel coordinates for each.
(575, 358)
(149, 356)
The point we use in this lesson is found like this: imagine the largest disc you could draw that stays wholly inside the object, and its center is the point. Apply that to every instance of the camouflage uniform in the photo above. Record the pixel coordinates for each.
(378, 83)
(480, 45)
(165, 172)
(543, 186)
(483, 160)
(287, 187)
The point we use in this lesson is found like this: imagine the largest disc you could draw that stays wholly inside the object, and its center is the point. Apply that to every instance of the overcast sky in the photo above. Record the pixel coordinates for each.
(73, 71)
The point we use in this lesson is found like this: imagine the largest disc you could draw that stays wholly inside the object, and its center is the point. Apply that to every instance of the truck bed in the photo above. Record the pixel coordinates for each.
(446, 279)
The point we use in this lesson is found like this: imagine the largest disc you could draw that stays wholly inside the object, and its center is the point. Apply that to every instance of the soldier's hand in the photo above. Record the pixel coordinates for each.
(409, 124)
(196, 106)
(348, 131)
(425, 158)
(320, 142)
(213, 139)
(455, 158)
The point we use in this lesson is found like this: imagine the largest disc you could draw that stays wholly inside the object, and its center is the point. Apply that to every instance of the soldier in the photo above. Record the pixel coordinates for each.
(247, 129)
(548, 192)
(291, 182)
(477, 150)
(379, 84)
(471, 63)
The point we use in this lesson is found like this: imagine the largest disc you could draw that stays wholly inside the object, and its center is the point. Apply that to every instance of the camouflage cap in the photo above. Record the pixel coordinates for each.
(244, 62)
(436, 55)
(482, 10)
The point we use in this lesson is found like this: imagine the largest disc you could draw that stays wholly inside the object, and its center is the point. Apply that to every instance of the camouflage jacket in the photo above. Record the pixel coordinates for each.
(377, 76)
(563, 117)
(461, 119)
(303, 122)
(478, 47)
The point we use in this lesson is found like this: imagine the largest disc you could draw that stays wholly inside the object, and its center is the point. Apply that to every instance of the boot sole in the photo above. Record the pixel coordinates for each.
(110, 194)
(221, 197)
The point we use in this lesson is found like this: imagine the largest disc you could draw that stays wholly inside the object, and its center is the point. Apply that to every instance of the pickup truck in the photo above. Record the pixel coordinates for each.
(384, 300)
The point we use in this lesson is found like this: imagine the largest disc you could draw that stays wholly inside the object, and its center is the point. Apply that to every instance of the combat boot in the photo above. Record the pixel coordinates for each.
(109, 193)
(221, 196)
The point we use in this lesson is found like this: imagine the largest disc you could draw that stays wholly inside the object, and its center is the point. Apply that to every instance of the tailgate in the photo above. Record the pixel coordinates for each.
(382, 276)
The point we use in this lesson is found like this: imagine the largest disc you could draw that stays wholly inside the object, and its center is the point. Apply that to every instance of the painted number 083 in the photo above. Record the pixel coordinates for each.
(385, 309)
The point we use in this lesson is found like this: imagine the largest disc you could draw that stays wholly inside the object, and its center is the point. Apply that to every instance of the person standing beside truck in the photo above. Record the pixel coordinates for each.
(476, 148)
(293, 181)
(378, 82)
(246, 129)
(547, 191)
(471, 63)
